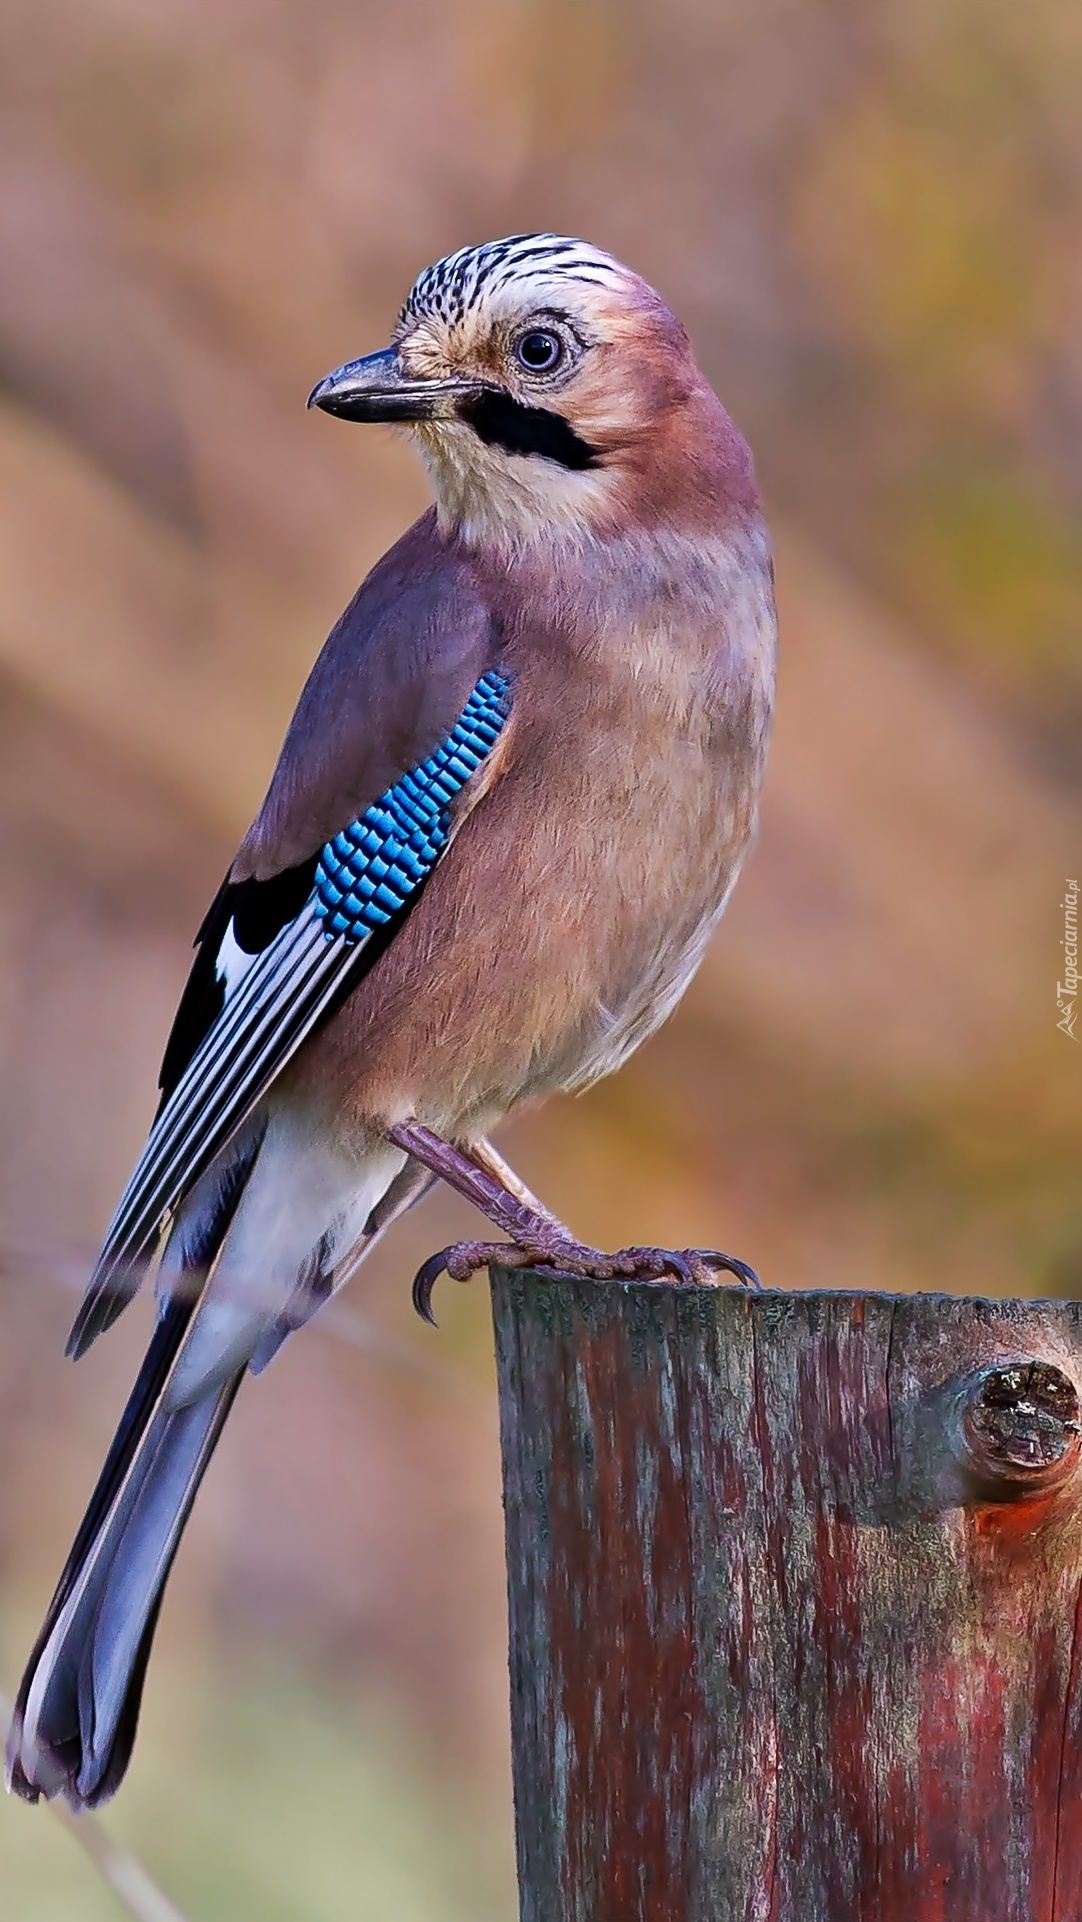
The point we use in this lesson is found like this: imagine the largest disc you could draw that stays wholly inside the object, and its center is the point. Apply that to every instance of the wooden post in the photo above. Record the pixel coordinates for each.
(795, 1604)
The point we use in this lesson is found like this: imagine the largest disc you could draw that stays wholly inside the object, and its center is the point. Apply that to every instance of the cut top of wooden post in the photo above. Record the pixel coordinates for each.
(794, 1588)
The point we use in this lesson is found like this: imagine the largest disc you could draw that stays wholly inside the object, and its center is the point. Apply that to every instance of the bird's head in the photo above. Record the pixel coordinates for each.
(551, 391)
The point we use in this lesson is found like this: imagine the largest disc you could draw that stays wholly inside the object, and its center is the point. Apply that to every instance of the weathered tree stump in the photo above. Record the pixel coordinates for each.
(795, 1597)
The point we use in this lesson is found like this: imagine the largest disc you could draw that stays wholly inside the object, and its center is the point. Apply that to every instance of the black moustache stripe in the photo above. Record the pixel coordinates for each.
(503, 422)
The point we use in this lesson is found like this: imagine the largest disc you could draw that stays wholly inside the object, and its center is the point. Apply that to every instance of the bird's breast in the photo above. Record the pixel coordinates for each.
(635, 782)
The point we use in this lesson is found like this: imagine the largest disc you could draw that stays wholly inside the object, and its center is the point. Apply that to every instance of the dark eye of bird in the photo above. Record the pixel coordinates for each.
(539, 351)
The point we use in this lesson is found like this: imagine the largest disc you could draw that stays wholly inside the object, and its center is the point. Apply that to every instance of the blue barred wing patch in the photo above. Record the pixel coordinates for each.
(368, 872)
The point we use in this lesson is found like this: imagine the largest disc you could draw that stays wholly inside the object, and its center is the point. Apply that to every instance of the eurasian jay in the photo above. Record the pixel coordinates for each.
(508, 813)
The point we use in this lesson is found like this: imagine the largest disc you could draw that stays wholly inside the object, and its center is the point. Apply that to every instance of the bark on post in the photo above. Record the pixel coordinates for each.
(795, 1604)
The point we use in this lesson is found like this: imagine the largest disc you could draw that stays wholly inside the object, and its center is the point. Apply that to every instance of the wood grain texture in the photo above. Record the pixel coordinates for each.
(794, 1588)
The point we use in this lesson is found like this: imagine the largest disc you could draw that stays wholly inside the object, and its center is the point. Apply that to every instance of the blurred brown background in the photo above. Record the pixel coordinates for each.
(870, 217)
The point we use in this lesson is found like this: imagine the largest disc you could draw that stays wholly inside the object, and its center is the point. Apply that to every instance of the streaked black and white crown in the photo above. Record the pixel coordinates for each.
(454, 284)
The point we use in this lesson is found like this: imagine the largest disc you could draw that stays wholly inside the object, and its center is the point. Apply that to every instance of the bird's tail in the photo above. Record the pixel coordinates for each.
(75, 1717)
(77, 1710)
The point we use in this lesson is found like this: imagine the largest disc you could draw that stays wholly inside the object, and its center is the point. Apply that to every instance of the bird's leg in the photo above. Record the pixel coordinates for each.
(487, 1157)
(537, 1239)
(411, 1182)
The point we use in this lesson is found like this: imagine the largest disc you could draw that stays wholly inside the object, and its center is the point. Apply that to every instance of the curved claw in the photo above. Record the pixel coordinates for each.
(680, 1266)
(713, 1259)
(461, 1261)
(424, 1281)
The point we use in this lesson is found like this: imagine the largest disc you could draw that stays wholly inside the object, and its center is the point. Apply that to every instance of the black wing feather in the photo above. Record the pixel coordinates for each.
(259, 910)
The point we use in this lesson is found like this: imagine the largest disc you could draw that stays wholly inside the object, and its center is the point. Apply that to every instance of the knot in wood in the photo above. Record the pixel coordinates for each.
(1020, 1428)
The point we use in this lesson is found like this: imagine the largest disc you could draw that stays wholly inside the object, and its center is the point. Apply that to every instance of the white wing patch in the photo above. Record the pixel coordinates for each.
(232, 962)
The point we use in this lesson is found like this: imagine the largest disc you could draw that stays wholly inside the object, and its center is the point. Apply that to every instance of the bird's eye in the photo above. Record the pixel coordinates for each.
(539, 351)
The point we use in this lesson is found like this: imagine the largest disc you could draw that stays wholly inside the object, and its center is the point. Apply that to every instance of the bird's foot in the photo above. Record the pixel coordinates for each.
(536, 1238)
(567, 1257)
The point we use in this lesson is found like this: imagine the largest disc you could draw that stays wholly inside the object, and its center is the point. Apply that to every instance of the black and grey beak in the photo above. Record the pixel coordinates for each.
(378, 388)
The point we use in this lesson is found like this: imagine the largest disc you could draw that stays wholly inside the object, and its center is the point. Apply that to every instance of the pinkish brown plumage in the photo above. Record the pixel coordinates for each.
(616, 821)
(507, 816)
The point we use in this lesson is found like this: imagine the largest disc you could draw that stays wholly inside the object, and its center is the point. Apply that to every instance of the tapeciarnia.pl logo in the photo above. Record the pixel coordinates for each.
(1067, 989)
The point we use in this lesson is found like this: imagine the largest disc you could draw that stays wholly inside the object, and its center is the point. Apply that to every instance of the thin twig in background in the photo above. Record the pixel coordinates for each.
(69, 1263)
(129, 1880)
(343, 1323)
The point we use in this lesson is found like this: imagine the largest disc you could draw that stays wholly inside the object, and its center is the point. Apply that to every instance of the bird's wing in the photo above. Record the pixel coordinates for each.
(401, 711)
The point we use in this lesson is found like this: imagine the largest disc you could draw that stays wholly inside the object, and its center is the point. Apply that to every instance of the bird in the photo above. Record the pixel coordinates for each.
(508, 813)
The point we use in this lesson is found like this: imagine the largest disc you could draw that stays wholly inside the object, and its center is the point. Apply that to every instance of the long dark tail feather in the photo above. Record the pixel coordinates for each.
(77, 1709)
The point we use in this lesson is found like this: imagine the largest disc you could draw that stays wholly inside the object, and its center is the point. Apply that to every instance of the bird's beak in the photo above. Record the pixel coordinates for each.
(378, 388)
